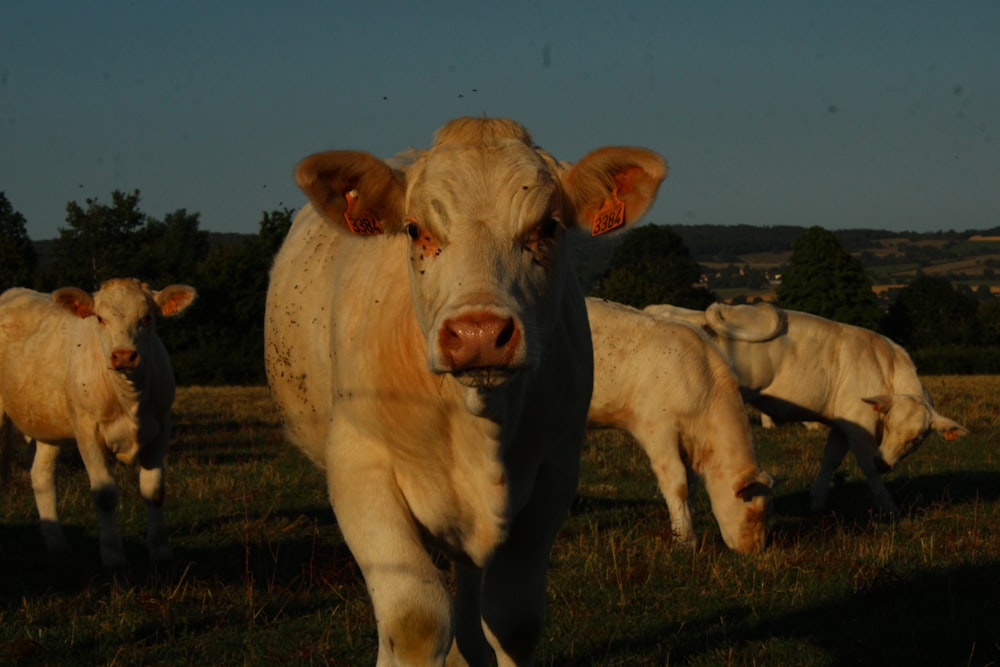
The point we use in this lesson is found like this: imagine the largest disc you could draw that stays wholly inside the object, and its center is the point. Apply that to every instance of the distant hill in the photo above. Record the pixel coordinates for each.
(971, 257)
(892, 258)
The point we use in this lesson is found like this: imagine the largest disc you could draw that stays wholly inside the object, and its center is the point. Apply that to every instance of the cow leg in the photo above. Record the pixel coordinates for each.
(471, 647)
(412, 604)
(151, 486)
(513, 594)
(833, 455)
(105, 493)
(43, 483)
(865, 449)
(673, 479)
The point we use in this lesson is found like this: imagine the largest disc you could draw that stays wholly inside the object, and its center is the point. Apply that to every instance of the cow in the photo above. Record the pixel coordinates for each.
(90, 369)
(795, 366)
(426, 343)
(668, 386)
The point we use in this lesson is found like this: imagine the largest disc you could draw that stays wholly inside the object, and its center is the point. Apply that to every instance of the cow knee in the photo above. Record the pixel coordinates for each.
(151, 487)
(418, 636)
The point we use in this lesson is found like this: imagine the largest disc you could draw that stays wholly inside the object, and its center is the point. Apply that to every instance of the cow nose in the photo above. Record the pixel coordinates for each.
(479, 340)
(123, 359)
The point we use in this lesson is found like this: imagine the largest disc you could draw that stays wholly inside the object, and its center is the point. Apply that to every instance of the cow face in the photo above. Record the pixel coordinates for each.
(124, 312)
(483, 215)
(744, 510)
(906, 421)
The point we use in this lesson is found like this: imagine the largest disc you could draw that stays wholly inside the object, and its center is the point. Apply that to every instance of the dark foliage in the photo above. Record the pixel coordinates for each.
(652, 265)
(220, 339)
(18, 259)
(825, 280)
(930, 312)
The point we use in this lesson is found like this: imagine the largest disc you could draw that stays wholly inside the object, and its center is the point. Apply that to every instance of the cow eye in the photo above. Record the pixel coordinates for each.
(542, 232)
(549, 227)
(412, 230)
(144, 322)
(100, 320)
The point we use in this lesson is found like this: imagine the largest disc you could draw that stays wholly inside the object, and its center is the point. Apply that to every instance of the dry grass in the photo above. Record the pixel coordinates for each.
(262, 576)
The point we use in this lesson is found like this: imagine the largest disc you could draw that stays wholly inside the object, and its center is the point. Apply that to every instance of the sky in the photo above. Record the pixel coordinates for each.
(838, 114)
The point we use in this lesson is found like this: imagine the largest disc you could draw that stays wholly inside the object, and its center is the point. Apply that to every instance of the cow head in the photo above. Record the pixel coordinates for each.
(483, 214)
(743, 511)
(906, 420)
(124, 311)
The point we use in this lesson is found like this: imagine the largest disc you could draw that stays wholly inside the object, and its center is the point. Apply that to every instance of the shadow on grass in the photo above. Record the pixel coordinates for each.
(263, 557)
(949, 617)
(853, 500)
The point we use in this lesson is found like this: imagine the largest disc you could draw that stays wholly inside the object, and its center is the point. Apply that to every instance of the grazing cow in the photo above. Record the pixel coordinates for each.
(799, 367)
(426, 342)
(90, 369)
(668, 386)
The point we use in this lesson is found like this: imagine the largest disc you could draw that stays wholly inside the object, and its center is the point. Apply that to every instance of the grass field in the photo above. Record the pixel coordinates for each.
(261, 576)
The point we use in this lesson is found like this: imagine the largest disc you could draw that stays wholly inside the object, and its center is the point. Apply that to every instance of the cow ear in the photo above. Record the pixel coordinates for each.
(750, 486)
(174, 299)
(75, 300)
(354, 190)
(949, 429)
(612, 187)
(882, 403)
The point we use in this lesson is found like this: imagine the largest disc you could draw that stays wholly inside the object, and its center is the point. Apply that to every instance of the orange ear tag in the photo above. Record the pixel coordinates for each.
(611, 216)
(360, 222)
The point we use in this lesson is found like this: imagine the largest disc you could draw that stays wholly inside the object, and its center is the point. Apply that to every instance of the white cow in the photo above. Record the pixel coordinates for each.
(795, 366)
(668, 386)
(440, 371)
(90, 369)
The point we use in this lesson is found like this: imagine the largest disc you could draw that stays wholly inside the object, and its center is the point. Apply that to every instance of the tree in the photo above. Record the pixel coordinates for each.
(224, 341)
(652, 265)
(989, 322)
(171, 251)
(930, 312)
(826, 280)
(101, 241)
(18, 260)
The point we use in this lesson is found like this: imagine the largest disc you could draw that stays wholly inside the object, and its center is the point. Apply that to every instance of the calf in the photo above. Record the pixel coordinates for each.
(795, 366)
(90, 370)
(426, 342)
(667, 385)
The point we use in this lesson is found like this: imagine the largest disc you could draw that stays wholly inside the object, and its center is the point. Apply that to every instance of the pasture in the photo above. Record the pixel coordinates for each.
(262, 577)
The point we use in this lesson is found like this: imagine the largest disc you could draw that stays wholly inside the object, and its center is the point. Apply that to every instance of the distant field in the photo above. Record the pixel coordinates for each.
(262, 577)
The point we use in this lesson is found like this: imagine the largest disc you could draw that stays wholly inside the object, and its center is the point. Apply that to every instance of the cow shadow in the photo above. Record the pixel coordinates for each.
(940, 617)
(256, 555)
(849, 504)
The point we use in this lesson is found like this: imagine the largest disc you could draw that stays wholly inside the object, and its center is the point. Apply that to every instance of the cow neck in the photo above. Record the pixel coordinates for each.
(127, 390)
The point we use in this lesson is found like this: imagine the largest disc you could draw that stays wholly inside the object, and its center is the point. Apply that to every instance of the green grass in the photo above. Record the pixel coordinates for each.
(262, 577)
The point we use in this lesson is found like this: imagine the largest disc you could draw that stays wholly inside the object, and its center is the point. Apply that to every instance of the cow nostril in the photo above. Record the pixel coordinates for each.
(479, 340)
(506, 334)
(124, 359)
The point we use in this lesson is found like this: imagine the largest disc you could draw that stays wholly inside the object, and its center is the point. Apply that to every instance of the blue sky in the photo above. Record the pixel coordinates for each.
(839, 114)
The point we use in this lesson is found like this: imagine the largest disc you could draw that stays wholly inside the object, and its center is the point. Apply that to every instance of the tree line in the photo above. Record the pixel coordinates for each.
(946, 328)
(220, 339)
